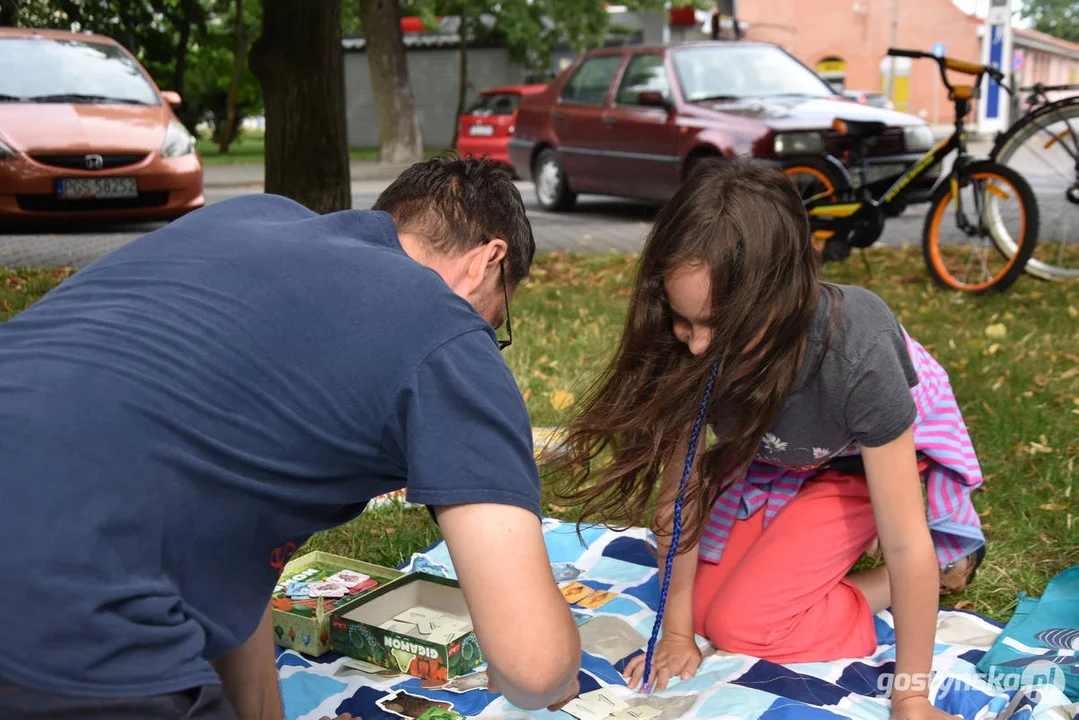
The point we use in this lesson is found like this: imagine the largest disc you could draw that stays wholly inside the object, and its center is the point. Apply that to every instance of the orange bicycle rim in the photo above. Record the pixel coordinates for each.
(934, 235)
(820, 237)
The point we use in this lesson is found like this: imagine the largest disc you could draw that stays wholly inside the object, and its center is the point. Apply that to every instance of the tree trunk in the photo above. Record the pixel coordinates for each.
(9, 12)
(180, 72)
(299, 64)
(399, 136)
(226, 134)
(462, 85)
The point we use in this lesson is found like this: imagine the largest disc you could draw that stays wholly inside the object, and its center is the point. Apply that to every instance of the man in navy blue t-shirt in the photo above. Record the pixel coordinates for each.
(179, 416)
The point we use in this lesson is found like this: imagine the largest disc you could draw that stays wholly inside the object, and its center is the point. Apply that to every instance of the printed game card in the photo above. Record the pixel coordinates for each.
(327, 589)
(348, 578)
(597, 599)
(575, 592)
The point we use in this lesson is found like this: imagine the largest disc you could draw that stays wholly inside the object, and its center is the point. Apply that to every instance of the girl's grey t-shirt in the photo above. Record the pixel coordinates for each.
(860, 393)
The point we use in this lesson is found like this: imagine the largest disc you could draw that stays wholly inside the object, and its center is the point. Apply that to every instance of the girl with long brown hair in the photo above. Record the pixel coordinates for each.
(828, 421)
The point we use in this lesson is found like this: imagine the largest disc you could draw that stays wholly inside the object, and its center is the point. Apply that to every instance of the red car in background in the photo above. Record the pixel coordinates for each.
(86, 134)
(631, 121)
(487, 126)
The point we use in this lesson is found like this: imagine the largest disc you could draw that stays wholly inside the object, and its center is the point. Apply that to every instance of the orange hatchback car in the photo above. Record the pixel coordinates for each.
(86, 134)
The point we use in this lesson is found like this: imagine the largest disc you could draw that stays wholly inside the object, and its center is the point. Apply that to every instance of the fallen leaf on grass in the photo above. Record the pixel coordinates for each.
(964, 605)
(1055, 507)
(1073, 312)
(986, 513)
(1046, 539)
(993, 349)
(997, 331)
(526, 394)
(1070, 373)
(562, 400)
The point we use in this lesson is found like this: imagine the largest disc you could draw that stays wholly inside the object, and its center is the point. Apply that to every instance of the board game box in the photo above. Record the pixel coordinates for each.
(311, 587)
(418, 625)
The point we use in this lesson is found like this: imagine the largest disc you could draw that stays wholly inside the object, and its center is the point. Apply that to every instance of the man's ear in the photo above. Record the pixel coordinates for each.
(480, 261)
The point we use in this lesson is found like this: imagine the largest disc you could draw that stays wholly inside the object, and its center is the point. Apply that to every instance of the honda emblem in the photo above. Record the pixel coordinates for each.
(94, 162)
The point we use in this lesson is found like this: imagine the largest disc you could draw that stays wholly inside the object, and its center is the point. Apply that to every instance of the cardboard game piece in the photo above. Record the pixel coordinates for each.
(440, 714)
(595, 705)
(349, 578)
(396, 626)
(327, 589)
(575, 592)
(597, 599)
(415, 615)
(637, 712)
(449, 629)
(364, 666)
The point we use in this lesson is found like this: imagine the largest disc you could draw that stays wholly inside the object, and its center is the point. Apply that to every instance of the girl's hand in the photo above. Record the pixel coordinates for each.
(674, 655)
(917, 707)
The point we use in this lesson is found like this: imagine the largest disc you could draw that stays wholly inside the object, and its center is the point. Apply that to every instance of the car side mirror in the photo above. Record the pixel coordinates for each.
(652, 98)
(172, 98)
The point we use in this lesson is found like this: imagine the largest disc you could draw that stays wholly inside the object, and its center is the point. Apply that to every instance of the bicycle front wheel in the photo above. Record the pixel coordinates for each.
(993, 207)
(1044, 147)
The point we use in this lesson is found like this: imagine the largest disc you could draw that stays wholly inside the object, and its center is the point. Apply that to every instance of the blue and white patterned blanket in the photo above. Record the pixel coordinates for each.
(726, 686)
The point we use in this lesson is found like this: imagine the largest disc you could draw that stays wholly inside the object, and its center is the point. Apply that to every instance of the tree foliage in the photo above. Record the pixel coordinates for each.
(1059, 18)
(185, 45)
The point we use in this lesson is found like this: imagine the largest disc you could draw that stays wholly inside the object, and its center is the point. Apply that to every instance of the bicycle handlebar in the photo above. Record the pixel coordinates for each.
(896, 52)
(945, 63)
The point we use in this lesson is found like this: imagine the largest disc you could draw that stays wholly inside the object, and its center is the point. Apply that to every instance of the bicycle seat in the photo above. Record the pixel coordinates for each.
(859, 128)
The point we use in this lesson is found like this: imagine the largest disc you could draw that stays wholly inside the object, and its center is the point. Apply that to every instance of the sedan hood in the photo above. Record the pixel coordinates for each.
(77, 129)
(805, 113)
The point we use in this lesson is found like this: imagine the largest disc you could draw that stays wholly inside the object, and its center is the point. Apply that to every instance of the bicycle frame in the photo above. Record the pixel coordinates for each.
(828, 212)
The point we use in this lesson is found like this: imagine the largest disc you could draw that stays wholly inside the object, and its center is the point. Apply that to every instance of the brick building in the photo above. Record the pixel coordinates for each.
(847, 41)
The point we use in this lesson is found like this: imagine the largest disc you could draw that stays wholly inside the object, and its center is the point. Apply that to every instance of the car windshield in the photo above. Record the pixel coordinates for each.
(734, 72)
(44, 70)
(496, 104)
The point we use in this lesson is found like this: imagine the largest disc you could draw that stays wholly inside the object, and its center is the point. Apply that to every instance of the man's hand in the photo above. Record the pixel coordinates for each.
(675, 655)
(522, 622)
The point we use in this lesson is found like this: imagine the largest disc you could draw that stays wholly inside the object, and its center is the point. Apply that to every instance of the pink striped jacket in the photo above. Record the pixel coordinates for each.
(940, 435)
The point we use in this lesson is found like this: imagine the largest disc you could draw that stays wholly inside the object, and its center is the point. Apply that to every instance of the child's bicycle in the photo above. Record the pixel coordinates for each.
(991, 205)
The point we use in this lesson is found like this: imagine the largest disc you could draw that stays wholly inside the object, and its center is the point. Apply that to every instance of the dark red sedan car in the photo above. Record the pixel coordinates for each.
(631, 121)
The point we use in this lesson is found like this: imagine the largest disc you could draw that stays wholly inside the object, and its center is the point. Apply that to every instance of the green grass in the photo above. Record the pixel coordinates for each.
(249, 149)
(1019, 394)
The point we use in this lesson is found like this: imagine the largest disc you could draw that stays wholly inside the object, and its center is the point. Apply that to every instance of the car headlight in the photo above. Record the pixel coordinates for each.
(178, 141)
(918, 138)
(6, 153)
(798, 143)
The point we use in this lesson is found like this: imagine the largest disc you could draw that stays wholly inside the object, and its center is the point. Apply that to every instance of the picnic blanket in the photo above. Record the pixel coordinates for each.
(725, 686)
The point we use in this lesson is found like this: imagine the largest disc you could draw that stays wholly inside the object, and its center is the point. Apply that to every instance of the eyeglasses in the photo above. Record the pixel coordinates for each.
(503, 344)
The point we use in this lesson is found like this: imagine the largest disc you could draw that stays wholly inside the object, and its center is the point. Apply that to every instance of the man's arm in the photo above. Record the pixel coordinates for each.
(523, 624)
(249, 675)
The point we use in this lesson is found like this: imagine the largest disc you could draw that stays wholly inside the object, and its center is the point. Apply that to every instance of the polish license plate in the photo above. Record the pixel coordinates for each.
(481, 130)
(113, 187)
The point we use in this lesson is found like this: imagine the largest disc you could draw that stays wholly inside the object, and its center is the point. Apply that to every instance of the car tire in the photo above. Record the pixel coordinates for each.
(552, 186)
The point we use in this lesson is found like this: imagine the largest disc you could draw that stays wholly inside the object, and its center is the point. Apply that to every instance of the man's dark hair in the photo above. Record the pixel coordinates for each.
(456, 204)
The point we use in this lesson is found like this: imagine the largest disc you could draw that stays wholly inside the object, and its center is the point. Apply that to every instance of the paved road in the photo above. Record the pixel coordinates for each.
(597, 225)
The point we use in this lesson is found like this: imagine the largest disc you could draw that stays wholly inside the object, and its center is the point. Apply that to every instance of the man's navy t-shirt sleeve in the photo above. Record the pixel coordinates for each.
(461, 428)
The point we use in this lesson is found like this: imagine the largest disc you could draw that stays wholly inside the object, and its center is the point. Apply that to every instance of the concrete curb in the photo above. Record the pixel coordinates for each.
(252, 175)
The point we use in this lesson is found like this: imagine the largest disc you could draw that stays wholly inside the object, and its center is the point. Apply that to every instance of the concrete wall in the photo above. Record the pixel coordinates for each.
(434, 74)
